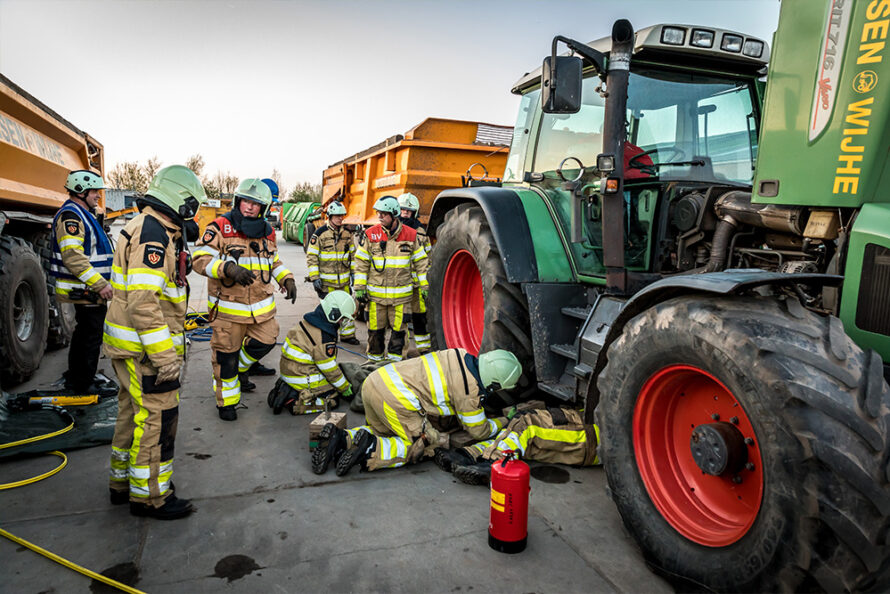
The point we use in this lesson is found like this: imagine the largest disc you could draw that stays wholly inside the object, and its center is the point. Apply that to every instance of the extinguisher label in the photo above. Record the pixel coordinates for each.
(497, 500)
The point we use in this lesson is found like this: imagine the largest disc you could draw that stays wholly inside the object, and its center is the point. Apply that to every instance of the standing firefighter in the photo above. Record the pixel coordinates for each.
(81, 265)
(410, 205)
(329, 257)
(144, 338)
(403, 401)
(239, 256)
(310, 377)
(553, 435)
(390, 263)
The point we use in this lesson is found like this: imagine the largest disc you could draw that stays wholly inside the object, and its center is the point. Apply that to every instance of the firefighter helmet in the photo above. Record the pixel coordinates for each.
(335, 208)
(177, 188)
(499, 370)
(82, 180)
(388, 204)
(409, 201)
(337, 305)
(255, 190)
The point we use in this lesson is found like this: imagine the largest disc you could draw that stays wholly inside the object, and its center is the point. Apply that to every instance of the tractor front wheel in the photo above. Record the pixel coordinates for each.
(745, 442)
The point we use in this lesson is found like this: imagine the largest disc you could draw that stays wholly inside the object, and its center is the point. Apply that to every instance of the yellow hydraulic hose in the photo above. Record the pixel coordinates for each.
(34, 547)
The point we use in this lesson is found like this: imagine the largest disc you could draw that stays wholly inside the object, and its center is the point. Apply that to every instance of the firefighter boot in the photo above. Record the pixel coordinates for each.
(173, 509)
(331, 445)
(363, 444)
(447, 459)
(473, 474)
(350, 340)
(259, 369)
(246, 384)
(227, 413)
(119, 497)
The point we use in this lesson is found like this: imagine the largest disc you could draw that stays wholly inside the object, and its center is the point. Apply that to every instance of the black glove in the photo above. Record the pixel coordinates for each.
(291, 287)
(280, 397)
(239, 274)
(319, 287)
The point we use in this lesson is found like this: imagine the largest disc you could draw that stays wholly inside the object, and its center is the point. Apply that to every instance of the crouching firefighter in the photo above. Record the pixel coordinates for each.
(144, 338)
(552, 435)
(311, 381)
(409, 205)
(390, 263)
(239, 256)
(329, 258)
(407, 400)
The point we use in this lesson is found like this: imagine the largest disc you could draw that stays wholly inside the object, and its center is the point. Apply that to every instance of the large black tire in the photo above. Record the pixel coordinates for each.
(819, 410)
(23, 310)
(506, 308)
(61, 315)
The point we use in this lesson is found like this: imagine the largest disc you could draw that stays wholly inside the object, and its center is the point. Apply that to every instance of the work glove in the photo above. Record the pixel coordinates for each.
(319, 288)
(424, 293)
(280, 397)
(169, 372)
(290, 288)
(361, 295)
(348, 392)
(239, 274)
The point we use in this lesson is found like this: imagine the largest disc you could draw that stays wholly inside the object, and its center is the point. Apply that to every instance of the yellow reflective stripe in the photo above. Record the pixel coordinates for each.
(372, 316)
(472, 418)
(392, 448)
(397, 387)
(560, 435)
(70, 242)
(282, 272)
(596, 459)
(121, 337)
(392, 419)
(398, 318)
(205, 250)
(295, 353)
(437, 381)
(384, 292)
(242, 309)
(327, 364)
(156, 340)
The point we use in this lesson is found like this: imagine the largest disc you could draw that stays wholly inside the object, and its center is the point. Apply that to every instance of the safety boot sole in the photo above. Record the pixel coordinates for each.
(448, 459)
(476, 474)
(356, 454)
(330, 448)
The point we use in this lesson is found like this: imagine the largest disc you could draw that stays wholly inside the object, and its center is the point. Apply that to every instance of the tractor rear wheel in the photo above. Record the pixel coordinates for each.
(472, 304)
(745, 442)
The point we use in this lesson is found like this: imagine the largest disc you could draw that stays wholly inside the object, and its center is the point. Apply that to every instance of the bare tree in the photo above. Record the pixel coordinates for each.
(151, 167)
(305, 192)
(196, 164)
(129, 175)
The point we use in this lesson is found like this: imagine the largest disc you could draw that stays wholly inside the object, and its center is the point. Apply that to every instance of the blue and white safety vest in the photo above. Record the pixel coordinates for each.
(95, 245)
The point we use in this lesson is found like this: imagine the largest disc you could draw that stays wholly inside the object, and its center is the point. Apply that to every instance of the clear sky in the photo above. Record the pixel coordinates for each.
(298, 85)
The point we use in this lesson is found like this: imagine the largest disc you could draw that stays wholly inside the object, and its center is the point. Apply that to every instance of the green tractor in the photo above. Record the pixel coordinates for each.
(701, 260)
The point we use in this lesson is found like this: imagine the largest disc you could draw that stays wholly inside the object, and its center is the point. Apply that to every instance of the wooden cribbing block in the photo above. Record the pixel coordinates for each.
(318, 423)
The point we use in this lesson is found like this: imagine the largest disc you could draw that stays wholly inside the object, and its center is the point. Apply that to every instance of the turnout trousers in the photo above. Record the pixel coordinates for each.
(418, 320)
(235, 348)
(379, 318)
(83, 354)
(144, 434)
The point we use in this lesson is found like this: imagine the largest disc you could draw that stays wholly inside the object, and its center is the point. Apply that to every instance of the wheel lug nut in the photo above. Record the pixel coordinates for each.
(734, 420)
(737, 479)
(749, 466)
(715, 416)
(749, 441)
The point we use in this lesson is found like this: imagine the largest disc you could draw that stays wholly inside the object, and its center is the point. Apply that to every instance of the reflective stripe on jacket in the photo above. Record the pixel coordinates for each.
(390, 266)
(309, 360)
(82, 253)
(147, 313)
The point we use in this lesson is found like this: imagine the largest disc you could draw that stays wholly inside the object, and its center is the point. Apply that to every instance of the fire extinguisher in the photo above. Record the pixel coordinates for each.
(508, 523)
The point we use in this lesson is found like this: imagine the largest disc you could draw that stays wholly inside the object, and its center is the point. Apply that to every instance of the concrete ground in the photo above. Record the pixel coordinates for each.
(266, 523)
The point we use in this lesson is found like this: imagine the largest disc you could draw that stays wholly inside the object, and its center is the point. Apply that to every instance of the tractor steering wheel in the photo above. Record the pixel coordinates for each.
(675, 151)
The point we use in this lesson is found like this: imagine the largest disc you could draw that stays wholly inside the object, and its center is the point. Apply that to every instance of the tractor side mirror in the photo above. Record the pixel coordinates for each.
(561, 84)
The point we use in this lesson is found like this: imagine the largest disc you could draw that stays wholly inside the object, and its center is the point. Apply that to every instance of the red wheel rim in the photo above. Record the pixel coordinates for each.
(713, 511)
(463, 304)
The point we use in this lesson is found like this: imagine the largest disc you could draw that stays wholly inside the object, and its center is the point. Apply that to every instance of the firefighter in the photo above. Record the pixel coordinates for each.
(390, 263)
(145, 340)
(410, 205)
(409, 402)
(311, 381)
(81, 267)
(239, 256)
(329, 257)
(553, 435)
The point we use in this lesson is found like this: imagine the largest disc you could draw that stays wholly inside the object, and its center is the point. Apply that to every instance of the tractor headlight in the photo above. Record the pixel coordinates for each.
(673, 36)
(731, 43)
(702, 38)
(753, 48)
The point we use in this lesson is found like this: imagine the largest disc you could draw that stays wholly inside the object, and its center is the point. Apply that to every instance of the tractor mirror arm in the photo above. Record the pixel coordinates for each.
(594, 57)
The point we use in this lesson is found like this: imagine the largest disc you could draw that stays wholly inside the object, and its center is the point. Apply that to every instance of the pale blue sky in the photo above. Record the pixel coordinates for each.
(298, 85)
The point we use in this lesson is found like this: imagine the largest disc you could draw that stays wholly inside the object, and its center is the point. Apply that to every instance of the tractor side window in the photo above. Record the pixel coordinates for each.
(521, 131)
(576, 135)
(727, 134)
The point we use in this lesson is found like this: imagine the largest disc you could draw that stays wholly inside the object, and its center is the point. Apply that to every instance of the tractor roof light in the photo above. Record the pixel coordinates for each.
(605, 163)
(702, 38)
(673, 36)
(753, 48)
(731, 43)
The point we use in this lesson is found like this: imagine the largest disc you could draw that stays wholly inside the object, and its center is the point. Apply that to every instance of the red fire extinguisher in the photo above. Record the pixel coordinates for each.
(508, 523)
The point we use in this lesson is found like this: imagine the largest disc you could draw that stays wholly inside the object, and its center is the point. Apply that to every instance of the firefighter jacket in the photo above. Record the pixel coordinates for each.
(221, 243)
(390, 265)
(329, 256)
(147, 313)
(418, 227)
(309, 356)
(439, 384)
(82, 254)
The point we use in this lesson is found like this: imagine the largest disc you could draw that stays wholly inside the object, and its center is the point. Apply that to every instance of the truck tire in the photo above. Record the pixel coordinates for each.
(795, 413)
(61, 315)
(472, 304)
(23, 310)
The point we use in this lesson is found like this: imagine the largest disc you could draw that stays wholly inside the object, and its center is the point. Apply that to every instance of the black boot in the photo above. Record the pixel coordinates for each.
(119, 497)
(331, 445)
(259, 369)
(173, 509)
(473, 474)
(447, 459)
(363, 444)
(227, 413)
(350, 340)
(246, 384)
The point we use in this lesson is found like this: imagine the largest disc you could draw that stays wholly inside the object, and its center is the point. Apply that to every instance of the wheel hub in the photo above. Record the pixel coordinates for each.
(463, 303)
(718, 448)
(24, 313)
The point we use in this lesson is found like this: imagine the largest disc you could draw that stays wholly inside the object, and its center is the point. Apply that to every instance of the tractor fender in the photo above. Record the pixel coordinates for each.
(727, 282)
(509, 225)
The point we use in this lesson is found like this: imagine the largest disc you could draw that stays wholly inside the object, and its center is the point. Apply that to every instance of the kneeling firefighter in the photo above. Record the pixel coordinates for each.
(404, 400)
(410, 205)
(310, 378)
(144, 338)
(329, 258)
(239, 256)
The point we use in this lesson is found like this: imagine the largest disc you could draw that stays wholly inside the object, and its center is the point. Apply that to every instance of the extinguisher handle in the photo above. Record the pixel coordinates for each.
(508, 455)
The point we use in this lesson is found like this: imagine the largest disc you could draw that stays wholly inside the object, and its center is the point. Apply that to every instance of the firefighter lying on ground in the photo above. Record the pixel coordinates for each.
(405, 401)
(554, 435)
(390, 263)
(310, 378)
(329, 258)
(409, 205)
(144, 338)
(239, 256)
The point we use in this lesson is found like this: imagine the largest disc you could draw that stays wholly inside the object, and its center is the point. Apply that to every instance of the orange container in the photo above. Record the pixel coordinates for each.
(433, 156)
